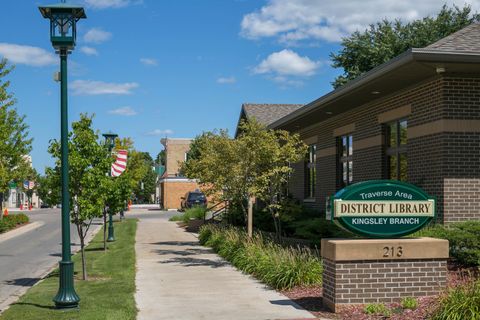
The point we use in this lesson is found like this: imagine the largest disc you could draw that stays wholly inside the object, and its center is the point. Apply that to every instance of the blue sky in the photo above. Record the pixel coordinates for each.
(151, 67)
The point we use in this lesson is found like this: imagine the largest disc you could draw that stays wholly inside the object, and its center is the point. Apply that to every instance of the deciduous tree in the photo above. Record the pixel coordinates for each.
(363, 51)
(15, 144)
(89, 163)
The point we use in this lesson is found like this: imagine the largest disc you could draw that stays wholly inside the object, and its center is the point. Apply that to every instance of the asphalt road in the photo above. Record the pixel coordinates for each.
(26, 258)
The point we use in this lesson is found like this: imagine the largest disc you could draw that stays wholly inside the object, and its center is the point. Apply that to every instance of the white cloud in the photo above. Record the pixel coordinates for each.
(89, 51)
(88, 87)
(158, 132)
(105, 4)
(123, 111)
(287, 63)
(28, 55)
(296, 20)
(97, 35)
(226, 80)
(149, 62)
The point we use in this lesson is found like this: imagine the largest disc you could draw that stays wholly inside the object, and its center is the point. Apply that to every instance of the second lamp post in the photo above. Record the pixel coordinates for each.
(110, 143)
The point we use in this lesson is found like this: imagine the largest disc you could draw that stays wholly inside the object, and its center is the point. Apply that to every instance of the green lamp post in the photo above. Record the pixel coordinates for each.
(110, 143)
(63, 18)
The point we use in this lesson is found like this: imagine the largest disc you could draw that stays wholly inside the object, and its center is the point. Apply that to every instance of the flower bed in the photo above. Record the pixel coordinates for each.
(12, 221)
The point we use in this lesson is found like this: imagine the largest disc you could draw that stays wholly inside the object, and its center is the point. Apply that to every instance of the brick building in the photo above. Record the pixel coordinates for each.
(414, 118)
(173, 185)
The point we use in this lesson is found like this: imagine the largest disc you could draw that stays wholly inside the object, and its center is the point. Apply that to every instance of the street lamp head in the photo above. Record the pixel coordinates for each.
(110, 139)
(63, 20)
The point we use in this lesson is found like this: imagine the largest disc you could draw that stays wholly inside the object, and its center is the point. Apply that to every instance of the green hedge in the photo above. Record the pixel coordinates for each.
(277, 266)
(196, 213)
(11, 221)
(464, 239)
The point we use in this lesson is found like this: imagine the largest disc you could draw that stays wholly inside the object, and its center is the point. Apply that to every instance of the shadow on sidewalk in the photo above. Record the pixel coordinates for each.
(24, 282)
(195, 262)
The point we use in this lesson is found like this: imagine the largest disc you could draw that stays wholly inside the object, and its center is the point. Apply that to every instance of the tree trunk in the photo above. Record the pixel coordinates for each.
(82, 248)
(1, 205)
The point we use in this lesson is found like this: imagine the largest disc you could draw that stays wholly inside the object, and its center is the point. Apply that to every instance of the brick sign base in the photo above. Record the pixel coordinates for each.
(352, 276)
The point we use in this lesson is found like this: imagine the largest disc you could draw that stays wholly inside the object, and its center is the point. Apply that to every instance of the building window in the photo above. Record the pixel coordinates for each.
(397, 150)
(310, 176)
(345, 157)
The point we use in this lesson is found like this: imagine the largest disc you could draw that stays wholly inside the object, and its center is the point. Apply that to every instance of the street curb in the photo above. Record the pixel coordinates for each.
(21, 230)
(4, 305)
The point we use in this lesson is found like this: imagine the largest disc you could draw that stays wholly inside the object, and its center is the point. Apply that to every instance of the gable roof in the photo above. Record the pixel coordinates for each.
(266, 114)
(465, 40)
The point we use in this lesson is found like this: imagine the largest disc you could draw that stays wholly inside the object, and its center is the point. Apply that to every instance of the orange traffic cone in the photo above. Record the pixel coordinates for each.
(5, 212)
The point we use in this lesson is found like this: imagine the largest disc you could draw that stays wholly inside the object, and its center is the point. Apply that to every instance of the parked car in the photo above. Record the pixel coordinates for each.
(193, 198)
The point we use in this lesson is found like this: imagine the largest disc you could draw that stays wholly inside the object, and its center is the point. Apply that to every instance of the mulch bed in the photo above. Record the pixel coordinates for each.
(310, 298)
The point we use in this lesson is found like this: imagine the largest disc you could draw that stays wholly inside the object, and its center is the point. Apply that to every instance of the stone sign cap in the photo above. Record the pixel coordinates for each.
(382, 208)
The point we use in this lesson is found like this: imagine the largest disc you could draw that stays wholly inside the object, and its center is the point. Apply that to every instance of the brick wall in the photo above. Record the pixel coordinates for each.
(434, 155)
(175, 155)
(172, 192)
(461, 199)
(363, 282)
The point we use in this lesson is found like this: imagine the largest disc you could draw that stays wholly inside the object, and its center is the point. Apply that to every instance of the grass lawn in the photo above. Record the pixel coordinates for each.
(109, 292)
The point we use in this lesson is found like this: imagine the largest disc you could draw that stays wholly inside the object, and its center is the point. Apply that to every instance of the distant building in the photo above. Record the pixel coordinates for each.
(17, 194)
(172, 184)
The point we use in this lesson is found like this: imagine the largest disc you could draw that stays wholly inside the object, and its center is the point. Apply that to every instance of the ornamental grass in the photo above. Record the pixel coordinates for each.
(277, 266)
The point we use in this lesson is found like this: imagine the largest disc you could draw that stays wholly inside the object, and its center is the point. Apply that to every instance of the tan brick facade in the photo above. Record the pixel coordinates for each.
(174, 189)
(173, 185)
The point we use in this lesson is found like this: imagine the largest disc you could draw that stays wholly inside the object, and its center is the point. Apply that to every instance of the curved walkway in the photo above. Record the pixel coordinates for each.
(179, 279)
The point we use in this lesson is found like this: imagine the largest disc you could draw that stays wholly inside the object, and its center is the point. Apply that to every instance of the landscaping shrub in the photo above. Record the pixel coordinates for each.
(462, 302)
(196, 213)
(409, 303)
(11, 221)
(377, 309)
(464, 239)
(277, 266)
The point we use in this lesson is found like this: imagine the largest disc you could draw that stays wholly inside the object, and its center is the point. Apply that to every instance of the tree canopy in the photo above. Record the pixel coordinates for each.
(256, 164)
(363, 51)
(15, 143)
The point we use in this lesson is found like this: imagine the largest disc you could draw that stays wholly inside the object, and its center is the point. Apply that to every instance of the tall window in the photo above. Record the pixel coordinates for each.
(310, 176)
(345, 157)
(397, 150)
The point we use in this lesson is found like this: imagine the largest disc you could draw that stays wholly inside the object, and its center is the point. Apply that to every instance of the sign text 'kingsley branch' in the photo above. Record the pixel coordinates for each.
(382, 208)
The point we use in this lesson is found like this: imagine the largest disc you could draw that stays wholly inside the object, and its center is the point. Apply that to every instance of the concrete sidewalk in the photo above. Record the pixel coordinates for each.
(179, 279)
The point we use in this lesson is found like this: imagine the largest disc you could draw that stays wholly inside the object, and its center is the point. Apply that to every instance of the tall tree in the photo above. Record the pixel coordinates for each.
(256, 164)
(146, 187)
(15, 144)
(89, 163)
(363, 51)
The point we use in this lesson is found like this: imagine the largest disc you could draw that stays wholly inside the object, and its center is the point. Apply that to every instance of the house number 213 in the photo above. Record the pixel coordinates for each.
(392, 252)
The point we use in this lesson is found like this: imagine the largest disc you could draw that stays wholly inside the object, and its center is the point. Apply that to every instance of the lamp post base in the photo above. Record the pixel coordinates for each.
(66, 297)
(111, 230)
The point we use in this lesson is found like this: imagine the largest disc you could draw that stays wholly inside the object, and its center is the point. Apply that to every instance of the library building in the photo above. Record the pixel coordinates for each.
(415, 118)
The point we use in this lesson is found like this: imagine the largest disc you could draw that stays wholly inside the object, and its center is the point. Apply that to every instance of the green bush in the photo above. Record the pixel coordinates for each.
(377, 309)
(11, 221)
(277, 266)
(462, 302)
(464, 239)
(196, 213)
(409, 303)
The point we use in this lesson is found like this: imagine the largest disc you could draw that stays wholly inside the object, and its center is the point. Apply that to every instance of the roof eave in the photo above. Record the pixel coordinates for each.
(420, 55)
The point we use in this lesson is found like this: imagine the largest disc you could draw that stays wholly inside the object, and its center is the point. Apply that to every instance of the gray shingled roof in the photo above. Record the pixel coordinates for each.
(268, 113)
(466, 40)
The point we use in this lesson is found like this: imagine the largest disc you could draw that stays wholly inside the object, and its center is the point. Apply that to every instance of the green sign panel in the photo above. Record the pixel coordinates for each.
(382, 209)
